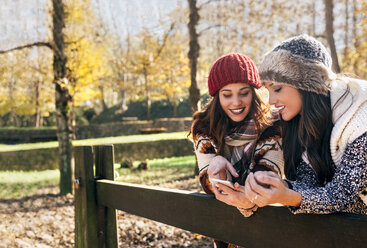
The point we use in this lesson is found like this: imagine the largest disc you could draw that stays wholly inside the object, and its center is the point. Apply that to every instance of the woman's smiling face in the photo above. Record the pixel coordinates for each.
(235, 100)
(285, 98)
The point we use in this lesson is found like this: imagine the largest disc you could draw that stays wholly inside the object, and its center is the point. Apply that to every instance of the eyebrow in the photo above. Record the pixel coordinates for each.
(243, 88)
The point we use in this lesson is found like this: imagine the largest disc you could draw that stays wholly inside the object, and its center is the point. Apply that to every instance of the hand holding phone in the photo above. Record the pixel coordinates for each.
(225, 182)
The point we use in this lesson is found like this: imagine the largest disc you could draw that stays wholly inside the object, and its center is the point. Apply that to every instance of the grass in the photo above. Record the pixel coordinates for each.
(97, 141)
(167, 170)
(29, 128)
(14, 184)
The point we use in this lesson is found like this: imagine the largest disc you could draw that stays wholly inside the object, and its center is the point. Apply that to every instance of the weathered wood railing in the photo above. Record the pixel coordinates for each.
(97, 197)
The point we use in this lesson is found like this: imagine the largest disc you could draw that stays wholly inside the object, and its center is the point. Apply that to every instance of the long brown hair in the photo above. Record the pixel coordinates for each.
(214, 119)
(310, 131)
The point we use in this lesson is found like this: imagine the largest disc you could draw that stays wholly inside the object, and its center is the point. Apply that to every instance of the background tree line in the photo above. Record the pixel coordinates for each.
(104, 69)
(83, 63)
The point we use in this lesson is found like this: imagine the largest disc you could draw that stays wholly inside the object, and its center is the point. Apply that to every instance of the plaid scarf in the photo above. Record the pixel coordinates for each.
(242, 140)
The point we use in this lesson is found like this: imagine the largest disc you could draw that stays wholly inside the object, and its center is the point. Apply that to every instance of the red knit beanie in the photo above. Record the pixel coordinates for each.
(232, 68)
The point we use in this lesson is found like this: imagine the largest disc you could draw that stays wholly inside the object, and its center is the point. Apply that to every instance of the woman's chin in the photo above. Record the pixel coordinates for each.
(237, 118)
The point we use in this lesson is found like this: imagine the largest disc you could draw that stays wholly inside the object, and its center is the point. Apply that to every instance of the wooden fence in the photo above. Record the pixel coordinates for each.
(97, 197)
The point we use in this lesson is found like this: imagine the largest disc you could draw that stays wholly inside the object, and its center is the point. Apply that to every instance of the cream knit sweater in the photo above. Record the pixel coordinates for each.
(349, 116)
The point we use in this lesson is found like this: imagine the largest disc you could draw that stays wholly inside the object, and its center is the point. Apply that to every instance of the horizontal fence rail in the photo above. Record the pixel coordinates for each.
(97, 197)
(200, 213)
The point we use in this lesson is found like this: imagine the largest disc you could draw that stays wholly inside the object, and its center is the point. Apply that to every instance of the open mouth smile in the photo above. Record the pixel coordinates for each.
(279, 109)
(237, 111)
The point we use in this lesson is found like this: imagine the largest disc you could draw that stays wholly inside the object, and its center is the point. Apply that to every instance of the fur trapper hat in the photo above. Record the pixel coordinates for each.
(301, 62)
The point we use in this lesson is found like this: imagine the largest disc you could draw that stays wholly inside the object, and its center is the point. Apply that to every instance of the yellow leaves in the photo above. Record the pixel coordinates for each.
(5, 107)
(26, 109)
(87, 57)
(75, 11)
(87, 64)
(355, 61)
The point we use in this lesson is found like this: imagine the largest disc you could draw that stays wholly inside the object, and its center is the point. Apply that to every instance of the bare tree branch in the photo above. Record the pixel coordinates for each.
(208, 28)
(323, 36)
(50, 45)
(164, 41)
(46, 44)
(75, 41)
(205, 3)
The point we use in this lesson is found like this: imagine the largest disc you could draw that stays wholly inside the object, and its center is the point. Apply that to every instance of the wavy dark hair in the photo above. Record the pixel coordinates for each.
(217, 122)
(310, 131)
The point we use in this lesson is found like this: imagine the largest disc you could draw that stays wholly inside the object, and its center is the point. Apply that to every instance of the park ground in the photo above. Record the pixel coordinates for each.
(39, 217)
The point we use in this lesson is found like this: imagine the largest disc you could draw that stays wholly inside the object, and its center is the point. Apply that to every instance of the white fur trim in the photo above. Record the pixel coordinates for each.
(350, 115)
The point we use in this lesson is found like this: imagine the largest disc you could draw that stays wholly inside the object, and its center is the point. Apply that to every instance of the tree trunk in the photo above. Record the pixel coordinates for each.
(147, 94)
(37, 103)
(72, 117)
(329, 6)
(346, 31)
(193, 55)
(103, 102)
(62, 98)
(123, 100)
(13, 115)
(312, 29)
(355, 36)
(174, 103)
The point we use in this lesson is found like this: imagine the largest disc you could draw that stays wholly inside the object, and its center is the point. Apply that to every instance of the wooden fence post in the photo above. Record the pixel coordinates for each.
(85, 199)
(107, 221)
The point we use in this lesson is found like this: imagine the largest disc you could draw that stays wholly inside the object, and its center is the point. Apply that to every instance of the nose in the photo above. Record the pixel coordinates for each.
(272, 98)
(237, 101)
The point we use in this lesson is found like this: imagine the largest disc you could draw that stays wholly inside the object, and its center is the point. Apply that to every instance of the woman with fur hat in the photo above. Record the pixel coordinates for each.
(324, 133)
(233, 134)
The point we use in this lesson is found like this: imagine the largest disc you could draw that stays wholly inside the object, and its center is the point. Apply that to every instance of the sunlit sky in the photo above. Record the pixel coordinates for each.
(25, 21)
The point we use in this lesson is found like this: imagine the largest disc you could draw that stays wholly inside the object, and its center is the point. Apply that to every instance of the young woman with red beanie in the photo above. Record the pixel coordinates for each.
(234, 134)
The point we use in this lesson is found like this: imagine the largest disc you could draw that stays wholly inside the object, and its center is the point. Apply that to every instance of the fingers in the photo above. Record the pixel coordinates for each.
(232, 197)
(255, 192)
(249, 192)
(268, 179)
(239, 187)
(271, 174)
(255, 186)
(231, 169)
(218, 168)
(217, 171)
(224, 188)
(215, 190)
(220, 193)
(266, 173)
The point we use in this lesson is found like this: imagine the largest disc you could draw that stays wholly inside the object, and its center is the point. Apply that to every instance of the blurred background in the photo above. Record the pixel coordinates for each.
(130, 58)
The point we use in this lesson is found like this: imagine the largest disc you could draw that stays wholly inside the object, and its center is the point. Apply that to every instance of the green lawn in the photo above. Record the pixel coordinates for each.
(15, 184)
(98, 141)
(165, 171)
(160, 171)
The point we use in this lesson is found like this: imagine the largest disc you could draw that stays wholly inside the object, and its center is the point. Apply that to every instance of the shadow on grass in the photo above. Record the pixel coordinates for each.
(35, 203)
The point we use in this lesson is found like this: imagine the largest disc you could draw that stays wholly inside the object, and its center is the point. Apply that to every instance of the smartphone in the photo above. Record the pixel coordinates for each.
(225, 182)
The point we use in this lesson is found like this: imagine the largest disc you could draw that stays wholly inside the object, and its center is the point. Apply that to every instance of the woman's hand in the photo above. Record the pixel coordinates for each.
(266, 187)
(218, 168)
(232, 197)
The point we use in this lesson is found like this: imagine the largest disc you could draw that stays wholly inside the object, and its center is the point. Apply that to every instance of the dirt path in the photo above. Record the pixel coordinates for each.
(47, 220)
